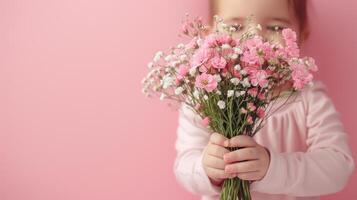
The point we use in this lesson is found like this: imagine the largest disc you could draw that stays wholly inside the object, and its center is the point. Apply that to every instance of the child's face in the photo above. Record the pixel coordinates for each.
(272, 15)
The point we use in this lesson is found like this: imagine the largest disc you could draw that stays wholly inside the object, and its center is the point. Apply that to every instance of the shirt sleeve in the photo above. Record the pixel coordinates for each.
(191, 140)
(327, 164)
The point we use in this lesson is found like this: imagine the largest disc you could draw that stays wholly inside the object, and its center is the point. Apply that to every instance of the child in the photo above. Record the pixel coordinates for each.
(302, 151)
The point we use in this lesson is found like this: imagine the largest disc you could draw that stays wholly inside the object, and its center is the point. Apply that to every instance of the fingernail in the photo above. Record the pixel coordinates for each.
(225, 157)
(226, 143)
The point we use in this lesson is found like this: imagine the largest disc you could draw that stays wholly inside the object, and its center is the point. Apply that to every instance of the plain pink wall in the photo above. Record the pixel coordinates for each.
(73, 122)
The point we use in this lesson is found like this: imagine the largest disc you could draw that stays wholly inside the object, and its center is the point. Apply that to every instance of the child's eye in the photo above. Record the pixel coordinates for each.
(275, 28)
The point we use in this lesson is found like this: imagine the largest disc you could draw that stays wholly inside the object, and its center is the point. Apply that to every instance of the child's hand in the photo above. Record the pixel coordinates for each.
(249, 163)
(212, 161)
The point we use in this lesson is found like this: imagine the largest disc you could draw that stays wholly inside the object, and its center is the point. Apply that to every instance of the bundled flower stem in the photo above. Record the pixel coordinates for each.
(230, 82)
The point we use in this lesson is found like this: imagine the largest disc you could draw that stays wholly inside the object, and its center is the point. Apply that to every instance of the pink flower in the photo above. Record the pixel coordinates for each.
(183, 70)
(206, 81)
(215, 40)
(184, 28)
(290, 38)
(206, 121)
(292, 50)
(178, 80)
(310, 62)
(259, 77)
(202, 55)
(253, 43)
(210, 41)
(192, 44)
(225, 39)
(300, 75)
(237, 74)
(243, 110)
(251, 106)
(261, 112)
(261, 96)
(252, 58)
(253, 92)
(268, 51)
(218, 62)
(249, 119)
(255, 51)
(289, 35)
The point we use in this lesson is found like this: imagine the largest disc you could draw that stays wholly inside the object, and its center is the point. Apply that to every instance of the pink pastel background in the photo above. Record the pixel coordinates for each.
(73, 122)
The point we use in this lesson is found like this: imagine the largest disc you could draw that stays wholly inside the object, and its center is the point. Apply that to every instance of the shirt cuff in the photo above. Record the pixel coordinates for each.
(203, 182)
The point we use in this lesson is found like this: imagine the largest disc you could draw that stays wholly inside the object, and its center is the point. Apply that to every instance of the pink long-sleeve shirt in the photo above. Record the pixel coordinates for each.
(309, 152)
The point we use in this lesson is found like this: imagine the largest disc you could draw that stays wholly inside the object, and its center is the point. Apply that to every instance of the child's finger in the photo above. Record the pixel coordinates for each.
(248, 153)
(240, 167)
(242, 141)
(218, 139)
(249, 175)
(217, 173)
(214, 162)
(217, 151)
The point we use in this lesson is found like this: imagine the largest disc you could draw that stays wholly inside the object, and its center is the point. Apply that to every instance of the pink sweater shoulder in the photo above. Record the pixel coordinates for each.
(320, 165)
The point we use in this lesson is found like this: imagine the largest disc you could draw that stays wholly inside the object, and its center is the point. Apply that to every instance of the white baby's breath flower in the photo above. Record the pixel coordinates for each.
(199, 42)
(237, 50)
(168, 58)
(158, 55)
(230, 93)
(193, 71)
(271, 67)
(144, 91)
(217, 18)
(232, 29)
(218, 78)
(162, 96)
(150, 65)
(205, 97)
(237, 67)
(221, 104)
(218, 92)
(259, 27)
(189, 100)
(243, 72)
(234, 56)
(166, 81)
(196, 94)
(239, 93)
(226, 46)
(183, 58)
(175, 63)
(156, 88)
(235, 81)
(179, 90)
(180, 46)
(152, 80)
(245, 82)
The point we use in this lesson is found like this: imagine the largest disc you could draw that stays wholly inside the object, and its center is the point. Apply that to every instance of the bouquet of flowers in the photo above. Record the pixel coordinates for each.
(229, 82)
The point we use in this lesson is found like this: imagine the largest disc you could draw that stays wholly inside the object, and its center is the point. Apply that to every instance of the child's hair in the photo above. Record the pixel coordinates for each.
(300, 9)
